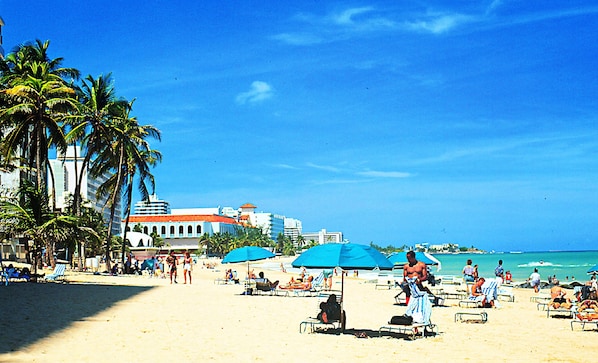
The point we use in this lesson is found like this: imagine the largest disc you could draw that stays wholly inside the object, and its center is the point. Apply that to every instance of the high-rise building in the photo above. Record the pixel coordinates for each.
(152, 206)
(65, 168)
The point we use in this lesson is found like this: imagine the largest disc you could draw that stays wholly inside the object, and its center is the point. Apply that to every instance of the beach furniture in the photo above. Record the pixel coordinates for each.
(57, 274)
(583, 318)
(312, 323)
(506, 293)
(470, 317)
(412, 331)
(560, 312)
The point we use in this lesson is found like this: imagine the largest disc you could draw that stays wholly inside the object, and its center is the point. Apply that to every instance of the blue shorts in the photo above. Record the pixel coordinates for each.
(468, 278)
(327, 273)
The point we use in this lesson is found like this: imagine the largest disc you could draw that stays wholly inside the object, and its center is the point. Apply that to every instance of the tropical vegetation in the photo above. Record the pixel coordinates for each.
(42, 110)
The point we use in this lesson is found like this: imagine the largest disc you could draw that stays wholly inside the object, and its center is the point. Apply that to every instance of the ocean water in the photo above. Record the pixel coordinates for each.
(565, 265)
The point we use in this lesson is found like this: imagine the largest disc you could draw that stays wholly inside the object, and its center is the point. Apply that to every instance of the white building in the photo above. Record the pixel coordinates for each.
(323, 236)
(152, 206)
(292, 228)
(65, 168)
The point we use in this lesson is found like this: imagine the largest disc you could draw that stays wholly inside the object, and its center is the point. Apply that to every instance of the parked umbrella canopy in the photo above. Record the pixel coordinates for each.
(347, 256)
(246, 254)
(593, 270)
(400, 258)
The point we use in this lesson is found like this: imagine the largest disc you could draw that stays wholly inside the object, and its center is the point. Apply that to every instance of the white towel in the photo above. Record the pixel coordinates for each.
(419, 307)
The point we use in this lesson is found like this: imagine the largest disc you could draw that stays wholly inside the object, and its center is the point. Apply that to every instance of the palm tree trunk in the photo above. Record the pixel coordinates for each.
(113, 198)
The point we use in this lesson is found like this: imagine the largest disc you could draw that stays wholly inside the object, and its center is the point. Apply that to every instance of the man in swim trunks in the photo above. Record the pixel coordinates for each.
(557, 293)
(415, 273)
(172, 260)
(534, 280)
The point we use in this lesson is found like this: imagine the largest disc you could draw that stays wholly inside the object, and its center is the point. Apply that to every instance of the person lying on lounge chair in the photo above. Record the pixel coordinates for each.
(558, 297)
(298, 285)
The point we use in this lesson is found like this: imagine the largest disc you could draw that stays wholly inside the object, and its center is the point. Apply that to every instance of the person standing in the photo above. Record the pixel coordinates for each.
(534, 280)
(499, 272)
(415, 273)
(187, 265)
(468, 272)
(172, 261)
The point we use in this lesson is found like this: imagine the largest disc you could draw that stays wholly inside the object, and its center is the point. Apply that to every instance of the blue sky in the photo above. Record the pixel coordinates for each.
(470, 122)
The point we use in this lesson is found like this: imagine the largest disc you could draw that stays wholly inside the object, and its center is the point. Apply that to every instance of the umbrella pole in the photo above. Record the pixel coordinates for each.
(343, 317)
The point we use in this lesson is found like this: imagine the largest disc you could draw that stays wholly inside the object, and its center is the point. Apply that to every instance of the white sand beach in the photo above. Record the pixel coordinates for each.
(105, 318)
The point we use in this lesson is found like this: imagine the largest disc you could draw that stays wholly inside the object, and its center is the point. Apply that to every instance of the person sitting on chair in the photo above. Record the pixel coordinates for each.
(557, 295)
(330, 310)
(477, 294)
(265, 280)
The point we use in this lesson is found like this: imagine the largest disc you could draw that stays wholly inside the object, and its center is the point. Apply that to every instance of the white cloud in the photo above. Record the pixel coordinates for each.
(324, 167)
(385, 174)
(259, 91)
(438, 24)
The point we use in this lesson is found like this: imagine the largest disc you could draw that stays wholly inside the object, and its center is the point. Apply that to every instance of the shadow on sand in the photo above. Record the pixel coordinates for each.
(31, 312)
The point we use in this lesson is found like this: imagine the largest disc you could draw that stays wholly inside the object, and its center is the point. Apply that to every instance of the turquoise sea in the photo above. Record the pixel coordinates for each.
(565, 265)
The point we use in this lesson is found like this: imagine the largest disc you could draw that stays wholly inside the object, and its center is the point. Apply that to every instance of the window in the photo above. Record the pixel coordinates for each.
(181, 230)
(198, 230)
(154, 229)
(65, 178)
(163, 230)
(172, 230)
(145, 229)
(189, 230)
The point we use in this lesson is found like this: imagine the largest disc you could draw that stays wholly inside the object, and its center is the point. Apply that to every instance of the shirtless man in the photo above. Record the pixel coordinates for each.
(557, 294)
(417, 269)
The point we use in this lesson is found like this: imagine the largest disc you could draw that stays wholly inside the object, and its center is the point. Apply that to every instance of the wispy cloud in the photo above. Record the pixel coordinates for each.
(259, 91)
(336, 26)
(385, 174)
(439, 23)
(324, 167)
(285, 166)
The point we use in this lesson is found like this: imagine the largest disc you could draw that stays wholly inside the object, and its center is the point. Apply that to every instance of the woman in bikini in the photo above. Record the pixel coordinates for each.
(187, 263)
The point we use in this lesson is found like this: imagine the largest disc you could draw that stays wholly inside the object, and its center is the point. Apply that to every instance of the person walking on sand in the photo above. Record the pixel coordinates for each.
(172, 261)
(534, 280)
(499, 272)
(187, 264)
(415, 273)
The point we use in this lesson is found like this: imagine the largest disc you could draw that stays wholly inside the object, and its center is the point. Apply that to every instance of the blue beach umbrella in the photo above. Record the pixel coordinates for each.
(400, 258)
(593, 270)
(347, 256)
(246, 254)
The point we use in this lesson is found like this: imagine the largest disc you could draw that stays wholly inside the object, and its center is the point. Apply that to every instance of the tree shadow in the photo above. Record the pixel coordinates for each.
(31, 312)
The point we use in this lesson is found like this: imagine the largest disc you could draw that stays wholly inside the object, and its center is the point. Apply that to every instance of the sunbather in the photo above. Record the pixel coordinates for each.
(298, 285)
(558, 296)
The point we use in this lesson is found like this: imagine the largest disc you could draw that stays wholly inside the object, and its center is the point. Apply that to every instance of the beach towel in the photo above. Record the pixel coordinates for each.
(490, 289)
(419, 307)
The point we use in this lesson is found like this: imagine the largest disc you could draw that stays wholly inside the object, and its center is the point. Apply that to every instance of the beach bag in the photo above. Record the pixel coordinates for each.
(401, 320)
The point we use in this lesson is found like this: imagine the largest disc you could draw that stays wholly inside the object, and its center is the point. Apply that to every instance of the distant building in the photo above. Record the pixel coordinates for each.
(292, 228)
(323, 237)
(64, 168)
(152, 206)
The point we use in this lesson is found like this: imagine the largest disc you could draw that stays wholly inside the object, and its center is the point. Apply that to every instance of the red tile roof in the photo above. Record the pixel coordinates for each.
(248, 205)
(165, 218)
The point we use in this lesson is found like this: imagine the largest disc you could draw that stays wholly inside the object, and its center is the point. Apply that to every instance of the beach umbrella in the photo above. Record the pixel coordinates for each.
(347, 256)
(400, 258)
(593, 270)
(247, 254)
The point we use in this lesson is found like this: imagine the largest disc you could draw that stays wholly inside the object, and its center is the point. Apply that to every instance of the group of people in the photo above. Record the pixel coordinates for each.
(172, 261)
(476, 284)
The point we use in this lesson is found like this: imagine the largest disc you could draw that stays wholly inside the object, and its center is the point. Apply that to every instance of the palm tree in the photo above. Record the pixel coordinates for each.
(33, 219)
(129, 155)
(35, 101)
(90, 125)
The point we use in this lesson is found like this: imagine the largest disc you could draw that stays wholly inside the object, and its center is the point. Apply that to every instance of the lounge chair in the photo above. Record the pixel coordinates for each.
(57, 274)
(265, 286)
(313, 323)
(585, 317)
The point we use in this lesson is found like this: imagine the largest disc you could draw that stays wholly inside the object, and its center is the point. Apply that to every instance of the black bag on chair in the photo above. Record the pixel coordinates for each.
(401, 320)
